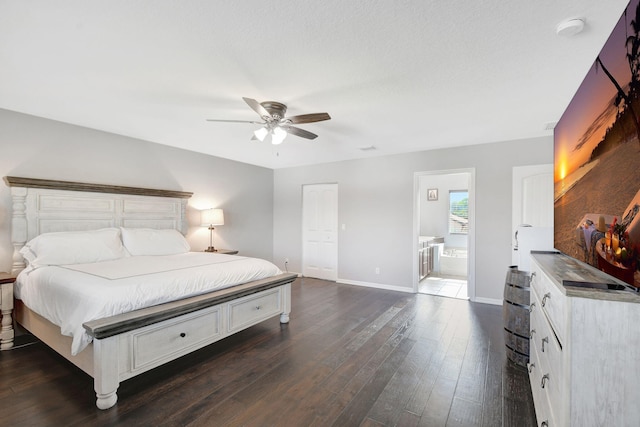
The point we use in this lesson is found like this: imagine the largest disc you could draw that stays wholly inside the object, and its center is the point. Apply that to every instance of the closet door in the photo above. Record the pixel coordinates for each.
(320, 231)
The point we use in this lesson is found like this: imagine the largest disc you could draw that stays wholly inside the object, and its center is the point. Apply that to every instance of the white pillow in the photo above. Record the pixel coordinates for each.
(74, 247)
(147, 241)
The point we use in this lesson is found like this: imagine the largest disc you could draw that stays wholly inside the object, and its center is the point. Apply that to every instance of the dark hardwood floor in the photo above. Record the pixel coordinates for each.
(351, 356)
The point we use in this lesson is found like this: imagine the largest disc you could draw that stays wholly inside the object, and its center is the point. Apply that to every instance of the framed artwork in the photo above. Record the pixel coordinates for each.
(432, 194)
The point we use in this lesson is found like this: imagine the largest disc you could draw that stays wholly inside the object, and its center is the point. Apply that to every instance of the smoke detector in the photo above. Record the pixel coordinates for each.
(570, 27)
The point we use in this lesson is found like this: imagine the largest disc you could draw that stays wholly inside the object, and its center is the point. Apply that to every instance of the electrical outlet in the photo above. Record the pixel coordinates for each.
(377, 270)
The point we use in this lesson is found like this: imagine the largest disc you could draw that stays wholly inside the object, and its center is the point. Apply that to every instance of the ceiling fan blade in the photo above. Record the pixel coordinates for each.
(309, 118)
(255, 106)
(300, 132)
(235, 121)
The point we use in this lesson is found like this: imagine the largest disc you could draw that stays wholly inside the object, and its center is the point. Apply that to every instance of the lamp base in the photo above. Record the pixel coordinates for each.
(210, 249)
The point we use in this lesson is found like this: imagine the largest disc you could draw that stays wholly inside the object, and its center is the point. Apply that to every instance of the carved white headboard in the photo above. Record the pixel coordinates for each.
(44, 206)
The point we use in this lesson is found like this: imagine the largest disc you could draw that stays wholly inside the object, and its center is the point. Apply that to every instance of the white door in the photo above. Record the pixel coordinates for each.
(320, 231)
(532, 205)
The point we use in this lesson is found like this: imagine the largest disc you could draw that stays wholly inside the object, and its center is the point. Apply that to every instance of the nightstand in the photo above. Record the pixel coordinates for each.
(6, 307)
(225, 251)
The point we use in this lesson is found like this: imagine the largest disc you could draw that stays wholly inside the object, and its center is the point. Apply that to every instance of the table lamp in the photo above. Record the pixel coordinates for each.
(209, 218)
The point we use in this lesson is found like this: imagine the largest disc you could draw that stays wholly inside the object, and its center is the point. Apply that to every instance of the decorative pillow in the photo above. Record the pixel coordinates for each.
(74, 247)
(147, 241)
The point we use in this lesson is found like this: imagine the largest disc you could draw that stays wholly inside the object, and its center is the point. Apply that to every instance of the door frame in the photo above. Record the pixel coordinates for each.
(471, 237)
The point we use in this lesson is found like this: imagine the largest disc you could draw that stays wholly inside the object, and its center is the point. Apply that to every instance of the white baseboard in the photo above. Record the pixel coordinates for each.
(480, 300)
(492, 301)
(376, 285)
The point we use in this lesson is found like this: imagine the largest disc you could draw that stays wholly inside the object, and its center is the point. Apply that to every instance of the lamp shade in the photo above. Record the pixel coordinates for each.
(212, 217)
(278, 136)
(261, 133)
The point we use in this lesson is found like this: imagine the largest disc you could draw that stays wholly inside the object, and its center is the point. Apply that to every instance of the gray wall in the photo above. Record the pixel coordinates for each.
(39, 148)
(376, 205)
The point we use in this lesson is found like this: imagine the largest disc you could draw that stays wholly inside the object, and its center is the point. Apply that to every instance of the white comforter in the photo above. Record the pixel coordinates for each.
(71, 295)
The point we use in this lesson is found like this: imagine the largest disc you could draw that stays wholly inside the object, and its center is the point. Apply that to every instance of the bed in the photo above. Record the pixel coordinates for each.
(119, 346)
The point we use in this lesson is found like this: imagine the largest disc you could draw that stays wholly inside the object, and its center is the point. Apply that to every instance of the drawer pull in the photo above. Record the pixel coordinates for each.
(544, 424)
(533, 304)
(533, 331)
(544, 298)
(258, 307)
(182, 335)
(544, 340)
(531, 366)
(543, 382)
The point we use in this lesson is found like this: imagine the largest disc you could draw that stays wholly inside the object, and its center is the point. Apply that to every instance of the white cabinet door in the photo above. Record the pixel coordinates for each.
(320, 231)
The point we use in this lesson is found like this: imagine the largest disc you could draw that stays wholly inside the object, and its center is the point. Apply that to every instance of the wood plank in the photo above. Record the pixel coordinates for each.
(14, 181)
(464, 413)
(518, 401)
(492, 402)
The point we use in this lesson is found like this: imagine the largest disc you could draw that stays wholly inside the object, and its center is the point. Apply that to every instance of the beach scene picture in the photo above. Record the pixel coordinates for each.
(597, 159)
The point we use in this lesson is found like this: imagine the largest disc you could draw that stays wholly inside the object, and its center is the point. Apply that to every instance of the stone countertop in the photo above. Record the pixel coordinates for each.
(560, 267)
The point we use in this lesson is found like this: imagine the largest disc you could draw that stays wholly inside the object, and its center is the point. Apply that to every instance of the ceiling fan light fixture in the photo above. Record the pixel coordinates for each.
(274, 123)
(278, 136)
(261, 133)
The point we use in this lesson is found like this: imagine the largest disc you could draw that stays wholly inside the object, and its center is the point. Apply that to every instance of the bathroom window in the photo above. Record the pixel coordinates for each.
(458, 212)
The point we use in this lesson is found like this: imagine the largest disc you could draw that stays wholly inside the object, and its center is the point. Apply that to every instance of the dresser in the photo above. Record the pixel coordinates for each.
(585, 345)
(6, 305)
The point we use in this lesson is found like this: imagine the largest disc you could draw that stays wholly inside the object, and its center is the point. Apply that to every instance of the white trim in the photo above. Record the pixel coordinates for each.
(376, 285)
(491, 301)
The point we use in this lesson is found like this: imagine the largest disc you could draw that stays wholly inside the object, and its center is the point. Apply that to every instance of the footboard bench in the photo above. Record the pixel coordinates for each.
(132, 343)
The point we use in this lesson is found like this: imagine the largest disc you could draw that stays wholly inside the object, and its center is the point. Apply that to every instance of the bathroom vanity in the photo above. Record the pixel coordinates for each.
(585, 339)
(429, 249)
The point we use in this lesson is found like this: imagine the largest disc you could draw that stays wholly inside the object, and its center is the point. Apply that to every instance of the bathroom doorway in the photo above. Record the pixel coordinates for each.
(444, 233)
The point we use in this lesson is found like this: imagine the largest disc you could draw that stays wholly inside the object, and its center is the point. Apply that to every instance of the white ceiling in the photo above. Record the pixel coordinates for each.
(399, 75)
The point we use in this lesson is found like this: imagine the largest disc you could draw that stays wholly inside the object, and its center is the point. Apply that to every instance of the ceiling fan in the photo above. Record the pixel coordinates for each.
(274, 122)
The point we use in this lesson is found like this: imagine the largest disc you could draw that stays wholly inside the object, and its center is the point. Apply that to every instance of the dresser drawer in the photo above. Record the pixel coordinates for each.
(254, 308)
(547, 372)
(540, 395)
(551, 300)
(166, 340)
(540, 399)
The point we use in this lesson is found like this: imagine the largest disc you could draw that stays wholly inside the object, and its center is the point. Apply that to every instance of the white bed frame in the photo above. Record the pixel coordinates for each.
(132, 343)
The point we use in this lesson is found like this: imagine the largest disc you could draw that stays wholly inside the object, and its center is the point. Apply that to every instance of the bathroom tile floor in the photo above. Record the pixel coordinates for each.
(453, 287)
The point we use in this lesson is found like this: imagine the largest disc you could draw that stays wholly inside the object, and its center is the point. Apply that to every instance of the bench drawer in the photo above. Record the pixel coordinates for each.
(254, 308)
(166, 340)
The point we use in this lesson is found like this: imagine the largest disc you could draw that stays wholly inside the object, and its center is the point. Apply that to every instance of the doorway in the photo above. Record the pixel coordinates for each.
(444, 233)
(320, 231)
